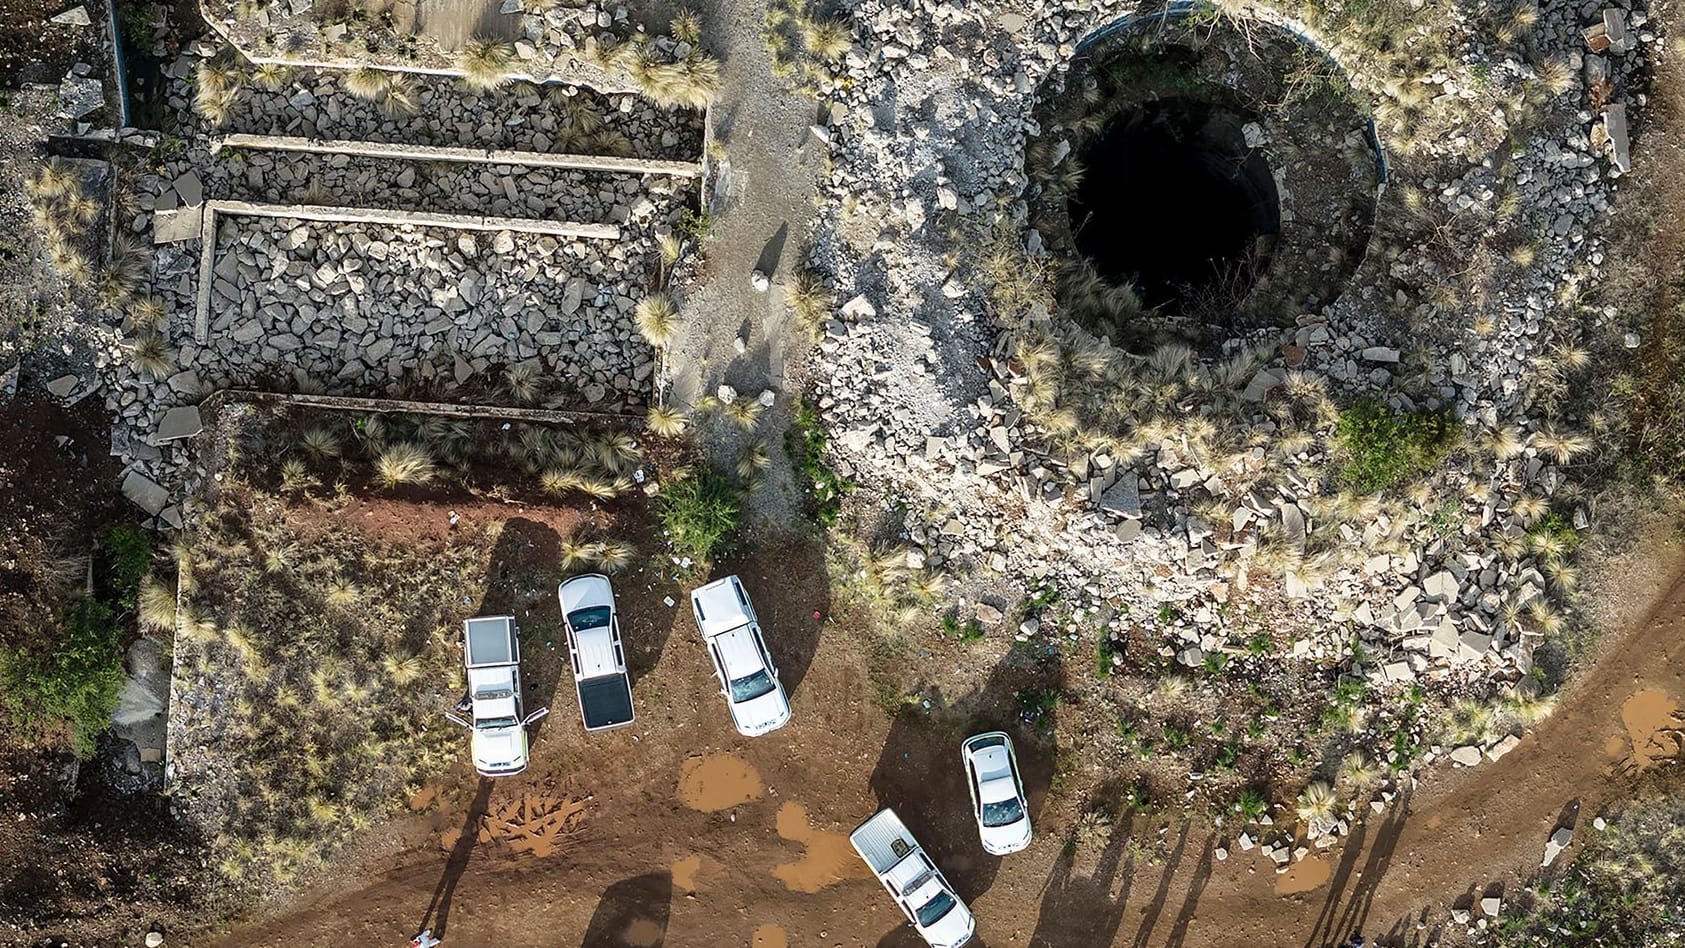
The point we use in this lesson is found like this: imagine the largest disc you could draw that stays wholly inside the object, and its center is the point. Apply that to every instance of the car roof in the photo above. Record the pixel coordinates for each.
(717, 606)
(738, 652)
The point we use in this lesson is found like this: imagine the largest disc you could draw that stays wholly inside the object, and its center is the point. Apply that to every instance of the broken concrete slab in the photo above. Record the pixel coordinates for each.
(1554, 846)
(62, 386)
(75, 16)
(179, 422)
(1468, 755)
(185, 223)
(1614, 124)
(145, 492)
(189, 189)
(1123, 498)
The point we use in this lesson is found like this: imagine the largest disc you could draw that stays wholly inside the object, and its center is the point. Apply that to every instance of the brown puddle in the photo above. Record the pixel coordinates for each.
(684, 873)
(770, 936)
(534, 824)
(423, 798)
(829, 858)
(718, 782)
(1653, 727)
(643, 933)
(1307, 874)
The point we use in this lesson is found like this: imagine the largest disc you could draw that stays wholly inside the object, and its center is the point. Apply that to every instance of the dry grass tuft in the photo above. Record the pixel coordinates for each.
(404, 464)
(665, 421)
(658, 319)
(151, 356)
(366, 83)
(156, 605)
(1316, 803)
(485, 64)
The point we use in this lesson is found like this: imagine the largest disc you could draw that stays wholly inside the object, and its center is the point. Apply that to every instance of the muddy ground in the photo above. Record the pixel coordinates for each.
(678, 832)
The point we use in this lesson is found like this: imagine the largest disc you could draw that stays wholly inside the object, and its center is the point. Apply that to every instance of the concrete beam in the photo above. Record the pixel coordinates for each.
(531, 159)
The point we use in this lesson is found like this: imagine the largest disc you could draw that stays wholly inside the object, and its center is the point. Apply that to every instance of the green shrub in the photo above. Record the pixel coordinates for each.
(75, 679)
(128, 553)
(805, 443)
(1381, 448)
(701, 513)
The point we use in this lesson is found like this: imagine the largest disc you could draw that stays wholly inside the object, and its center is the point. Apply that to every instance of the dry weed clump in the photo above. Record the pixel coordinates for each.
(805, 46)
(485, 64)
(329, 710)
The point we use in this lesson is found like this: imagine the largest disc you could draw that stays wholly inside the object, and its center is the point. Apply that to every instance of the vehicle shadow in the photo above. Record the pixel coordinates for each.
(521, 578)
(788, 585)
(920, 775)
(437, 916)
(1086, 908)
(632, 913)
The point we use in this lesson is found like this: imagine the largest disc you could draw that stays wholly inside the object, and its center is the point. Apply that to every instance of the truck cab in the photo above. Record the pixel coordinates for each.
(923, 894)
(491, 651)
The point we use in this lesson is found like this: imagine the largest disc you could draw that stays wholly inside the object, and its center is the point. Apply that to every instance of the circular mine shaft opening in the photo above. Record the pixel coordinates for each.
(1175, 203)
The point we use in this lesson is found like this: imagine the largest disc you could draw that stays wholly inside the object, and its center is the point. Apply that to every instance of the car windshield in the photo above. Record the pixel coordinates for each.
(931, 912)
(591, 618)
(492, 724)
(751, 686)
(1004, 813)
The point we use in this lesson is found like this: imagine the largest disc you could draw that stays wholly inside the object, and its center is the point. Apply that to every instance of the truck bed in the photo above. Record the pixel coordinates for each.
(883, 841)
(605, 701)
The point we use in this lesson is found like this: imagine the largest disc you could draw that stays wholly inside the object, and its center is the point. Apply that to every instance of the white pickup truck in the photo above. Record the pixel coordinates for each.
(594, 647)
(913, 881)
(492, 652)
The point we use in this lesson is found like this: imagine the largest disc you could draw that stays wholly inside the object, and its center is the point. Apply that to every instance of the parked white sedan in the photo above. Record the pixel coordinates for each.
(748, 679)
(997, 792)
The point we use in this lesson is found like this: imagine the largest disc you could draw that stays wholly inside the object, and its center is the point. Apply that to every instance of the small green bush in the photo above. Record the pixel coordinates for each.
(128, 552)
(701, 513)
(74, 679)
(1381, 448)
(805, 444)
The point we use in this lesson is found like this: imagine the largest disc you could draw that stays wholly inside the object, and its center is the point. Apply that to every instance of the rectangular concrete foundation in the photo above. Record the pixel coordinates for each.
(360, 215)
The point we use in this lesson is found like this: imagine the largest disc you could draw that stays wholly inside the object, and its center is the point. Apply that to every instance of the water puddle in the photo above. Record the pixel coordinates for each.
(684, 873)
(718, 782)
(770, 936)
(1307, 874)
(829, 858)
(643, 933)
(1653, 725)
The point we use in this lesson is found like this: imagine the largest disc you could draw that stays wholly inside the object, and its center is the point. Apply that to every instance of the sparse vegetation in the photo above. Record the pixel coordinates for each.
(700, 513)
(1381, 448)
(805, 443)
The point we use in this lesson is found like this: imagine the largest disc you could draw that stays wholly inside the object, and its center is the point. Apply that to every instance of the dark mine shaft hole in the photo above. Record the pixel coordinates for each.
(1173, 201)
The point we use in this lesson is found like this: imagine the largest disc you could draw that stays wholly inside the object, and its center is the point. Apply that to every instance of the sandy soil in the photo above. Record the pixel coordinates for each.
(678, 832)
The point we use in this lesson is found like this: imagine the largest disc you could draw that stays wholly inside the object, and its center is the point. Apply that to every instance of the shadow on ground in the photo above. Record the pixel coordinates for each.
(1344, 913)
(632, 913)
(437, 916)
(521, 578)
(919, 772)
(788, 585)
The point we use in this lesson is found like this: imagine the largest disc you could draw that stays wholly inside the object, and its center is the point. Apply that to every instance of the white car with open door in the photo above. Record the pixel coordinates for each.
(492, 651)
(595, 651)
(997, 792)
(747, 676)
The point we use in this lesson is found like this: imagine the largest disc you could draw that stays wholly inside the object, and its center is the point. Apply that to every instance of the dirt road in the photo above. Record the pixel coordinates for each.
(680, 833)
